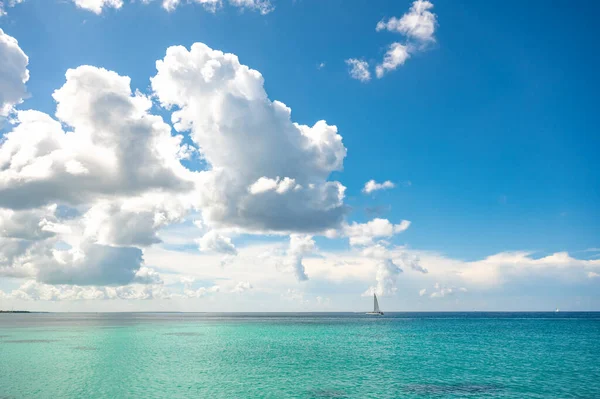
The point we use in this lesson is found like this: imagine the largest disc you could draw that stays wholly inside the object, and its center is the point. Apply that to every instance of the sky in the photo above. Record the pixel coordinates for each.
(298, 155)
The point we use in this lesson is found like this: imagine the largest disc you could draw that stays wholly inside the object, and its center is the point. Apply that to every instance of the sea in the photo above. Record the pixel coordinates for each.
(300, 355)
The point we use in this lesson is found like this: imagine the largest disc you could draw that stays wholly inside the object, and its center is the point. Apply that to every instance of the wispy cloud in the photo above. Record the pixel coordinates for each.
(418, 26)
(359, 69)
(372, 186)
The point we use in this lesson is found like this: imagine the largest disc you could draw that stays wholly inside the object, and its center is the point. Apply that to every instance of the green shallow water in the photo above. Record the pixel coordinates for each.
(300, 356)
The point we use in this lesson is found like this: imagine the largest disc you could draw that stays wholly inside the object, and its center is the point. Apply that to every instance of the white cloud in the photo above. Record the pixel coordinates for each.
(418, 23)
(97, 6)
(13, 73)
(359, 69)
(372, 185)
(89, 264)
(250, 142)
(242, 286)
(132, 221)
(395, 56)
(386, 277)
(7, 4)
(35, 291)
(125, 150)
(423, 292)
(33, 224)
(119, 164)
(201, 292)
(505, 267)
(443, 291)
(210, 5)
(344, 275)
(215, 242)
(117, 167)
(389, 266)
(280, 186)
(146, 275)
(300, 246)
(295, 296)
(593, 274)
(365, 233)
(261, 6)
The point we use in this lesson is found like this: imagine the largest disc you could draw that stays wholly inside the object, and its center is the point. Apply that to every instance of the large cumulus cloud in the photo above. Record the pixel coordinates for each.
(115, 147)
(249, 140)
(13, 72)
(82, 193)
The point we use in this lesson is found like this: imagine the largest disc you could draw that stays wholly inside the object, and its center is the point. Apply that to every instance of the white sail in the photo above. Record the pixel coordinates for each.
(376, 310)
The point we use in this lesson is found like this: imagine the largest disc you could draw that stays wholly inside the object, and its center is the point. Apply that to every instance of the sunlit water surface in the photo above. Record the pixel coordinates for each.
(401, 355)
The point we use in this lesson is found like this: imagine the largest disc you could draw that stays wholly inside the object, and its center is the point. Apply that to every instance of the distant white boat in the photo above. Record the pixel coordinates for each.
(376, 311)
(557, 310)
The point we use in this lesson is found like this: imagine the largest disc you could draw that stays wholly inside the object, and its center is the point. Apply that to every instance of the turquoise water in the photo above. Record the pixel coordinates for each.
(406, 355)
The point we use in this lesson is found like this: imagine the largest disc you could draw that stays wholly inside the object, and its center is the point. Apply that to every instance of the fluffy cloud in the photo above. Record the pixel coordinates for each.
(262, 6)
(280, 186)
(267, 173)
(418, 23)
(34, 224)
(13, 73)
(443, 291)
(96, 6)
(365, 233)
(507, 267)
(300, 246)
(390, 263)
(6, 4)
(395, 56)
(372, 185)
(200, 292)
(132, 221)
(115, 148)
(119, 165)
(359, 69)
(115, 168)
(242, 286)
(387, 274)
(215, 242)
(34, 291)
(90, 264)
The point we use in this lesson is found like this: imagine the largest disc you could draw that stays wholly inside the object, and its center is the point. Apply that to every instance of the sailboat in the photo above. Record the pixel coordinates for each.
(376, 311)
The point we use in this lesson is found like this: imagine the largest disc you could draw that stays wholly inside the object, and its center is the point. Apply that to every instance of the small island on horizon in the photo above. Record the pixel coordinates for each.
(14, 311)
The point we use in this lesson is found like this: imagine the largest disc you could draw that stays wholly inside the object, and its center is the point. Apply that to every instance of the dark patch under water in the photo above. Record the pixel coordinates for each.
(184, 334)
(327, 393)
(30, 341)
(85, 348)
(450, 389)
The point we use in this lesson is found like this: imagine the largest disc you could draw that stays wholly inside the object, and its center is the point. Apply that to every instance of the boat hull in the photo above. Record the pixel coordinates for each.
(375, 313)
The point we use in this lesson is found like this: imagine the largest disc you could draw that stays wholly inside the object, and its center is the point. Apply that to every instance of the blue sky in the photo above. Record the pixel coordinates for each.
(489, 133)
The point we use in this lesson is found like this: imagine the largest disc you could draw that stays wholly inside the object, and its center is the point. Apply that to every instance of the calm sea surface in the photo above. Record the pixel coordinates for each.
(401, 355)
